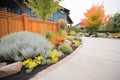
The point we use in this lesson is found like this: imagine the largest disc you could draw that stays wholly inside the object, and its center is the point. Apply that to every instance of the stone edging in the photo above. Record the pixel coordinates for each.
(54, 66)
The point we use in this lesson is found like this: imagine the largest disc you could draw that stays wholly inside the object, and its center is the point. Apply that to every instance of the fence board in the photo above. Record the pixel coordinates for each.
(10, 23)
(3, 26)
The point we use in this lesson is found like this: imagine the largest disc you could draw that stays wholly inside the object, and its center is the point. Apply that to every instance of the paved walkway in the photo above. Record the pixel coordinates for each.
(97, 59)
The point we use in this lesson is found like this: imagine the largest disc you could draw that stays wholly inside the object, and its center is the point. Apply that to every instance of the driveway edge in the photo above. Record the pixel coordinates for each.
(54, 66)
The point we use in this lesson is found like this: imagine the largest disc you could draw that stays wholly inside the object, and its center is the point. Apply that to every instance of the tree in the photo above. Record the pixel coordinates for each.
(109, 27)
(43, 8)
(116, 21)
(94, 18)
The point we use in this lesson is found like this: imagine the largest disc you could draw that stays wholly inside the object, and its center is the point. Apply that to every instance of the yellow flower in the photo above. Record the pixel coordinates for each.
(26, 61)
(39, 62)
(53, 55)
(31, 65)
(39, 58)
(54, 60)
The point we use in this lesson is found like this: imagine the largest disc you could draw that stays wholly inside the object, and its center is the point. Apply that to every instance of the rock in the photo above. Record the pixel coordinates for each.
(3, 64)
(67, 42)
(10, 69)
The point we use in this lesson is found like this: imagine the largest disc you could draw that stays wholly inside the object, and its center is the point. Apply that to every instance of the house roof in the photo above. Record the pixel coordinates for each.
(69, 19)
(68, 12)
(7, 3)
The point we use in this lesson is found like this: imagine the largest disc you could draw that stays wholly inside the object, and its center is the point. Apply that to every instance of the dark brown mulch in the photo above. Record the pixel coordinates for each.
(22, 75)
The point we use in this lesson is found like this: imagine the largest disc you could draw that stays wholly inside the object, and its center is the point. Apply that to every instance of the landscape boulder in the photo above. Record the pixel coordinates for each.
(10, 69)
(3, 64)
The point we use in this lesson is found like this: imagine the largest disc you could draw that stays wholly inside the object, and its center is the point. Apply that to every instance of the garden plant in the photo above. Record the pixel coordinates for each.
(35, 50)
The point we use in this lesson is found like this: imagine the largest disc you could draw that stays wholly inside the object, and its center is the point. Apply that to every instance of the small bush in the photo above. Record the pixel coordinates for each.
(76, 29)
(110, 31)
(53, 57)
(65, 48)
(23, 45)
(62, 23)
(63, 32)
(116, 35)
(58, 53)
(76, 43)
(48, 34)
(78, 38)
(72, 33)
(54, 38)
(70, 38)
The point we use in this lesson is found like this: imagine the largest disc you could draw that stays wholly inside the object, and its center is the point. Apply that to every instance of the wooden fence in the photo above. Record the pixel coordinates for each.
(10, 23)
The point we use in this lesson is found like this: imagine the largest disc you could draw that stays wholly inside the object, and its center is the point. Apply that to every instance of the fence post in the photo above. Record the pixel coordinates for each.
(9, 25)
(25, 21)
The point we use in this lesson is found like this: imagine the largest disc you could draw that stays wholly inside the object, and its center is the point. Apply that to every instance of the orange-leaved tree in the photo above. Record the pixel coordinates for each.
(94, 18)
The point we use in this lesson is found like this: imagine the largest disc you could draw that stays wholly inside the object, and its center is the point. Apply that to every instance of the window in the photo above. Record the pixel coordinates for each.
(10, 10)
(62, 11)
(32, 13)
(51, 17)
(3, 9)
(6, 9)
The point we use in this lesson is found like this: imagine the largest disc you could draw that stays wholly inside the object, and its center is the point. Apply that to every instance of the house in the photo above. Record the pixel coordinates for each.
(18, 7)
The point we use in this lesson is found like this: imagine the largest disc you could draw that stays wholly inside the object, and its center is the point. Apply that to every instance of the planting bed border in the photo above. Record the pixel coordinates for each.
(54, 66)
(44, 69)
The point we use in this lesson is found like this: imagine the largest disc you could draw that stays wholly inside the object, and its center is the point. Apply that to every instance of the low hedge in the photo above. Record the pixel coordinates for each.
(110, 31)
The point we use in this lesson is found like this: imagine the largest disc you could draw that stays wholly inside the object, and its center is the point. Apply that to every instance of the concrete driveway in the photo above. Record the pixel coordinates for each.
(98, 59)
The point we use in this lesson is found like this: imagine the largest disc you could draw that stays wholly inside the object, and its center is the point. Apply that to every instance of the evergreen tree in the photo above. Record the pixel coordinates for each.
(116, 21)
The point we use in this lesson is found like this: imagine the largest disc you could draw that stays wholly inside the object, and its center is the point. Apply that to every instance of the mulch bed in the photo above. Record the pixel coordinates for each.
(22, 75)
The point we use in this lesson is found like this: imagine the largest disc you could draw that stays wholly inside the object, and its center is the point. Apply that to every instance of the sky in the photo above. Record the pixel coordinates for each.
(79, 7)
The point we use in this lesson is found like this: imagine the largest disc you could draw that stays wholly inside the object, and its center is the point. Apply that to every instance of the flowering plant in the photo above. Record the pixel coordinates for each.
(56, 37)
(30, 64)
(53, 56)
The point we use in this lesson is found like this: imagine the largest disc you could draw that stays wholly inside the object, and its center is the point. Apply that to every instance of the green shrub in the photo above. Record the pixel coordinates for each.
(62, 23)
(116, 35)
(65, 48)
(76, 29)
(48, 34)
(58, 53)
(78, 38)
(46, 61)
(23, 45)
(72, 33)
(70, 38)
(76, 43)
(110, 31)
(63, 32)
